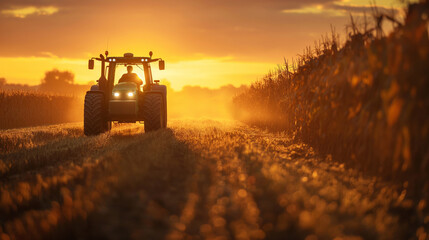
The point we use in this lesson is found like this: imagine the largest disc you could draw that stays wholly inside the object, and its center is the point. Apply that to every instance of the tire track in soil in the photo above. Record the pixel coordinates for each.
(226, 210)
(153, 189)
(286, 190)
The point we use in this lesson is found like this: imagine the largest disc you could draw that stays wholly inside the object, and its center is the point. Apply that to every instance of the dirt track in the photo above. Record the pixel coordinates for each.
(195, 180)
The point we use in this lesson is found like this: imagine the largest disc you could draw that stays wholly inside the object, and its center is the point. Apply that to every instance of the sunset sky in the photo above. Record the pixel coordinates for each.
(207, 43)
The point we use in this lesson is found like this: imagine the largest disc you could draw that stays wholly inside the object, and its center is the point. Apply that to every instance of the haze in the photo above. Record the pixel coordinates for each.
(205, 43)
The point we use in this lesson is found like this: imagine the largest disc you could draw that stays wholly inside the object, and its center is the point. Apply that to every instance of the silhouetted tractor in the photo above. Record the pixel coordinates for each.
(109, 102)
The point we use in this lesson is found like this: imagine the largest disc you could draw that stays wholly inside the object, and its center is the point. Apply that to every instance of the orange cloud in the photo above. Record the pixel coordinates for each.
(345, 7)
(24, 12)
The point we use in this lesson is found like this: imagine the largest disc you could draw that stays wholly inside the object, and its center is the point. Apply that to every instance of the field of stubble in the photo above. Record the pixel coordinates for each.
(195, 180)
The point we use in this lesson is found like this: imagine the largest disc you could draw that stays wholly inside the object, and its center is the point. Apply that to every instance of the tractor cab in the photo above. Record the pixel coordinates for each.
(110, 100)
(110, 65)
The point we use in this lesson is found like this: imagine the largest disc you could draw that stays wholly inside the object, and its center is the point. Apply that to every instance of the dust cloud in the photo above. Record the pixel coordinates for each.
(198, 102)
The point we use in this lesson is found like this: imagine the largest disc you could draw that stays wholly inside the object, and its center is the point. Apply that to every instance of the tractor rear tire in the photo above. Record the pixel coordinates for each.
(153, 112)
(95, 119)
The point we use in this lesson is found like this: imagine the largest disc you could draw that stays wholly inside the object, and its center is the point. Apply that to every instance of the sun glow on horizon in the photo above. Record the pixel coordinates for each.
(219, 44)
(206, 72)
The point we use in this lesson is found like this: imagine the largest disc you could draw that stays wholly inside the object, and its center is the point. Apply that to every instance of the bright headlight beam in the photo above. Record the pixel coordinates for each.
(130, 94)
(116, 94)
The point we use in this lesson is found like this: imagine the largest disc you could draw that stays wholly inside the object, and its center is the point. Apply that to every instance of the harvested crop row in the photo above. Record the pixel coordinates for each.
(31, 202)
(209, 179)
(264, 185)
(55, 151)
(27, 189)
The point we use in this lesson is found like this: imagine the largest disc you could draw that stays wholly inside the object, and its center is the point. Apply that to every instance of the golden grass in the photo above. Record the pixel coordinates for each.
(198, 179)
(27, 138)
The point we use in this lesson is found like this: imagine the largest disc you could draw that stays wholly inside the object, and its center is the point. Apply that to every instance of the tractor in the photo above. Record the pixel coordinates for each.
(126, 102)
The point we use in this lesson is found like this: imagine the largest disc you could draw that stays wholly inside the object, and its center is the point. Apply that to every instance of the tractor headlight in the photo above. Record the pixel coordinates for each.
(130, 94)
(116, 94)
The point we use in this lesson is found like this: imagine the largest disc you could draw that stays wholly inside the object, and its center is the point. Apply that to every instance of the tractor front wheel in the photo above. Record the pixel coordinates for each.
(95, 119)
(153, 111)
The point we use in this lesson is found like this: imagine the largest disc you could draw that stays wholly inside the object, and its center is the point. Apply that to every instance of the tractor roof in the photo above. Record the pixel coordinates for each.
(128, 58)
(125, 60)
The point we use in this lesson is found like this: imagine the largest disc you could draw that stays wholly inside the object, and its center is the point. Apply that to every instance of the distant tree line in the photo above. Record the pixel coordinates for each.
(54, 81)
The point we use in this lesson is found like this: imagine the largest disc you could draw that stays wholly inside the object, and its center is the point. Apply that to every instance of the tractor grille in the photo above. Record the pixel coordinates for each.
(122, 108)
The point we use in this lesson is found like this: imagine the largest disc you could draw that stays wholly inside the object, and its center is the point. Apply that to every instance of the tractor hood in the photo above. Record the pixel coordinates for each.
(125, 86)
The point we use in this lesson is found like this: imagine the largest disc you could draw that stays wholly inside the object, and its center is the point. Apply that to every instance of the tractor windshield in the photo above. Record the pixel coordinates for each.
(122, 69)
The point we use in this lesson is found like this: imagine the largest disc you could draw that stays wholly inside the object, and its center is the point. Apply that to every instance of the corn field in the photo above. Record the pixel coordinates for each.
(365, 103)
(26, 108)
